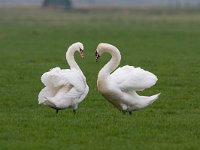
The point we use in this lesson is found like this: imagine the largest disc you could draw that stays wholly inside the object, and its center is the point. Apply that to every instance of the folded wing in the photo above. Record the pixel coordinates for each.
(130, 78)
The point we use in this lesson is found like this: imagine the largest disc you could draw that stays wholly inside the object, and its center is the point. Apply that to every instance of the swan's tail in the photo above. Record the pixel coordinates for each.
(47, 102)
(152, 98)
(42, 99)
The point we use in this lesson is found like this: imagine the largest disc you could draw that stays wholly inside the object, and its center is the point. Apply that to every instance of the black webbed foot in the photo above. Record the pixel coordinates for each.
(74, 111)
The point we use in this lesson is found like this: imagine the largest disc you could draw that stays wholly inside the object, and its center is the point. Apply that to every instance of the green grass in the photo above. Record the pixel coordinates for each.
(33, 40)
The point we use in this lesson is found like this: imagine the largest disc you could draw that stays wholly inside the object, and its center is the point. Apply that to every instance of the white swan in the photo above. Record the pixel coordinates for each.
(119, 87)
(64, 88)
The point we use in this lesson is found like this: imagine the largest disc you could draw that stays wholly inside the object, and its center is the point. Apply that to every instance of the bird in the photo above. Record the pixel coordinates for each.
(120, 86)
(65, 88)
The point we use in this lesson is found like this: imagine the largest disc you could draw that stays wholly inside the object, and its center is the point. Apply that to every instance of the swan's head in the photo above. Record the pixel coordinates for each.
(103, 47)
(78, 46)
(100, 49)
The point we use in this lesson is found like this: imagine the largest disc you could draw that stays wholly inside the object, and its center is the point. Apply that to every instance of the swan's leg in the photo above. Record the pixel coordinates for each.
(124, 108)
(74, 111)
(124, 112)
(75, 108)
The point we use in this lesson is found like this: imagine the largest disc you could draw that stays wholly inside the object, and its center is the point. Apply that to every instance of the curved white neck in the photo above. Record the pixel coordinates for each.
(70, 58)
(112, 64)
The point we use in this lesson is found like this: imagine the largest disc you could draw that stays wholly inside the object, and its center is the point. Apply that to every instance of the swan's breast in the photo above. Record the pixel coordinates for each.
(110, 92)
(103, 85)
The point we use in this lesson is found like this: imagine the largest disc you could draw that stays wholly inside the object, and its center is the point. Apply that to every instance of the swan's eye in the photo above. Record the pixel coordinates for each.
(81, 50)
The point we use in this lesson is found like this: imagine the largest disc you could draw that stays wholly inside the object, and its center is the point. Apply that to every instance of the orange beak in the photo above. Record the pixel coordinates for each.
(81, 54)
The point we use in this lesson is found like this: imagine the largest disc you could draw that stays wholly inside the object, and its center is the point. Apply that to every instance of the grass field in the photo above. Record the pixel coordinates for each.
(33, 40)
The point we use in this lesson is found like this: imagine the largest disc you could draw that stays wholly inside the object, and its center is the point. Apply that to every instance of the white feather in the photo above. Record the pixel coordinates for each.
(64, 88)
(131, 78)
(119, 87)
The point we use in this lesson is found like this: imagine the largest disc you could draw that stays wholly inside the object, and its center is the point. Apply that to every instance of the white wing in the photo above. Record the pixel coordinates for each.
(57, 77)
(131, 78)
(63, 86)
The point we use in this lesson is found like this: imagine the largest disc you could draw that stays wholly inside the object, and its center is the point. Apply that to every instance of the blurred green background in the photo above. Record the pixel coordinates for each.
(160, 39)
